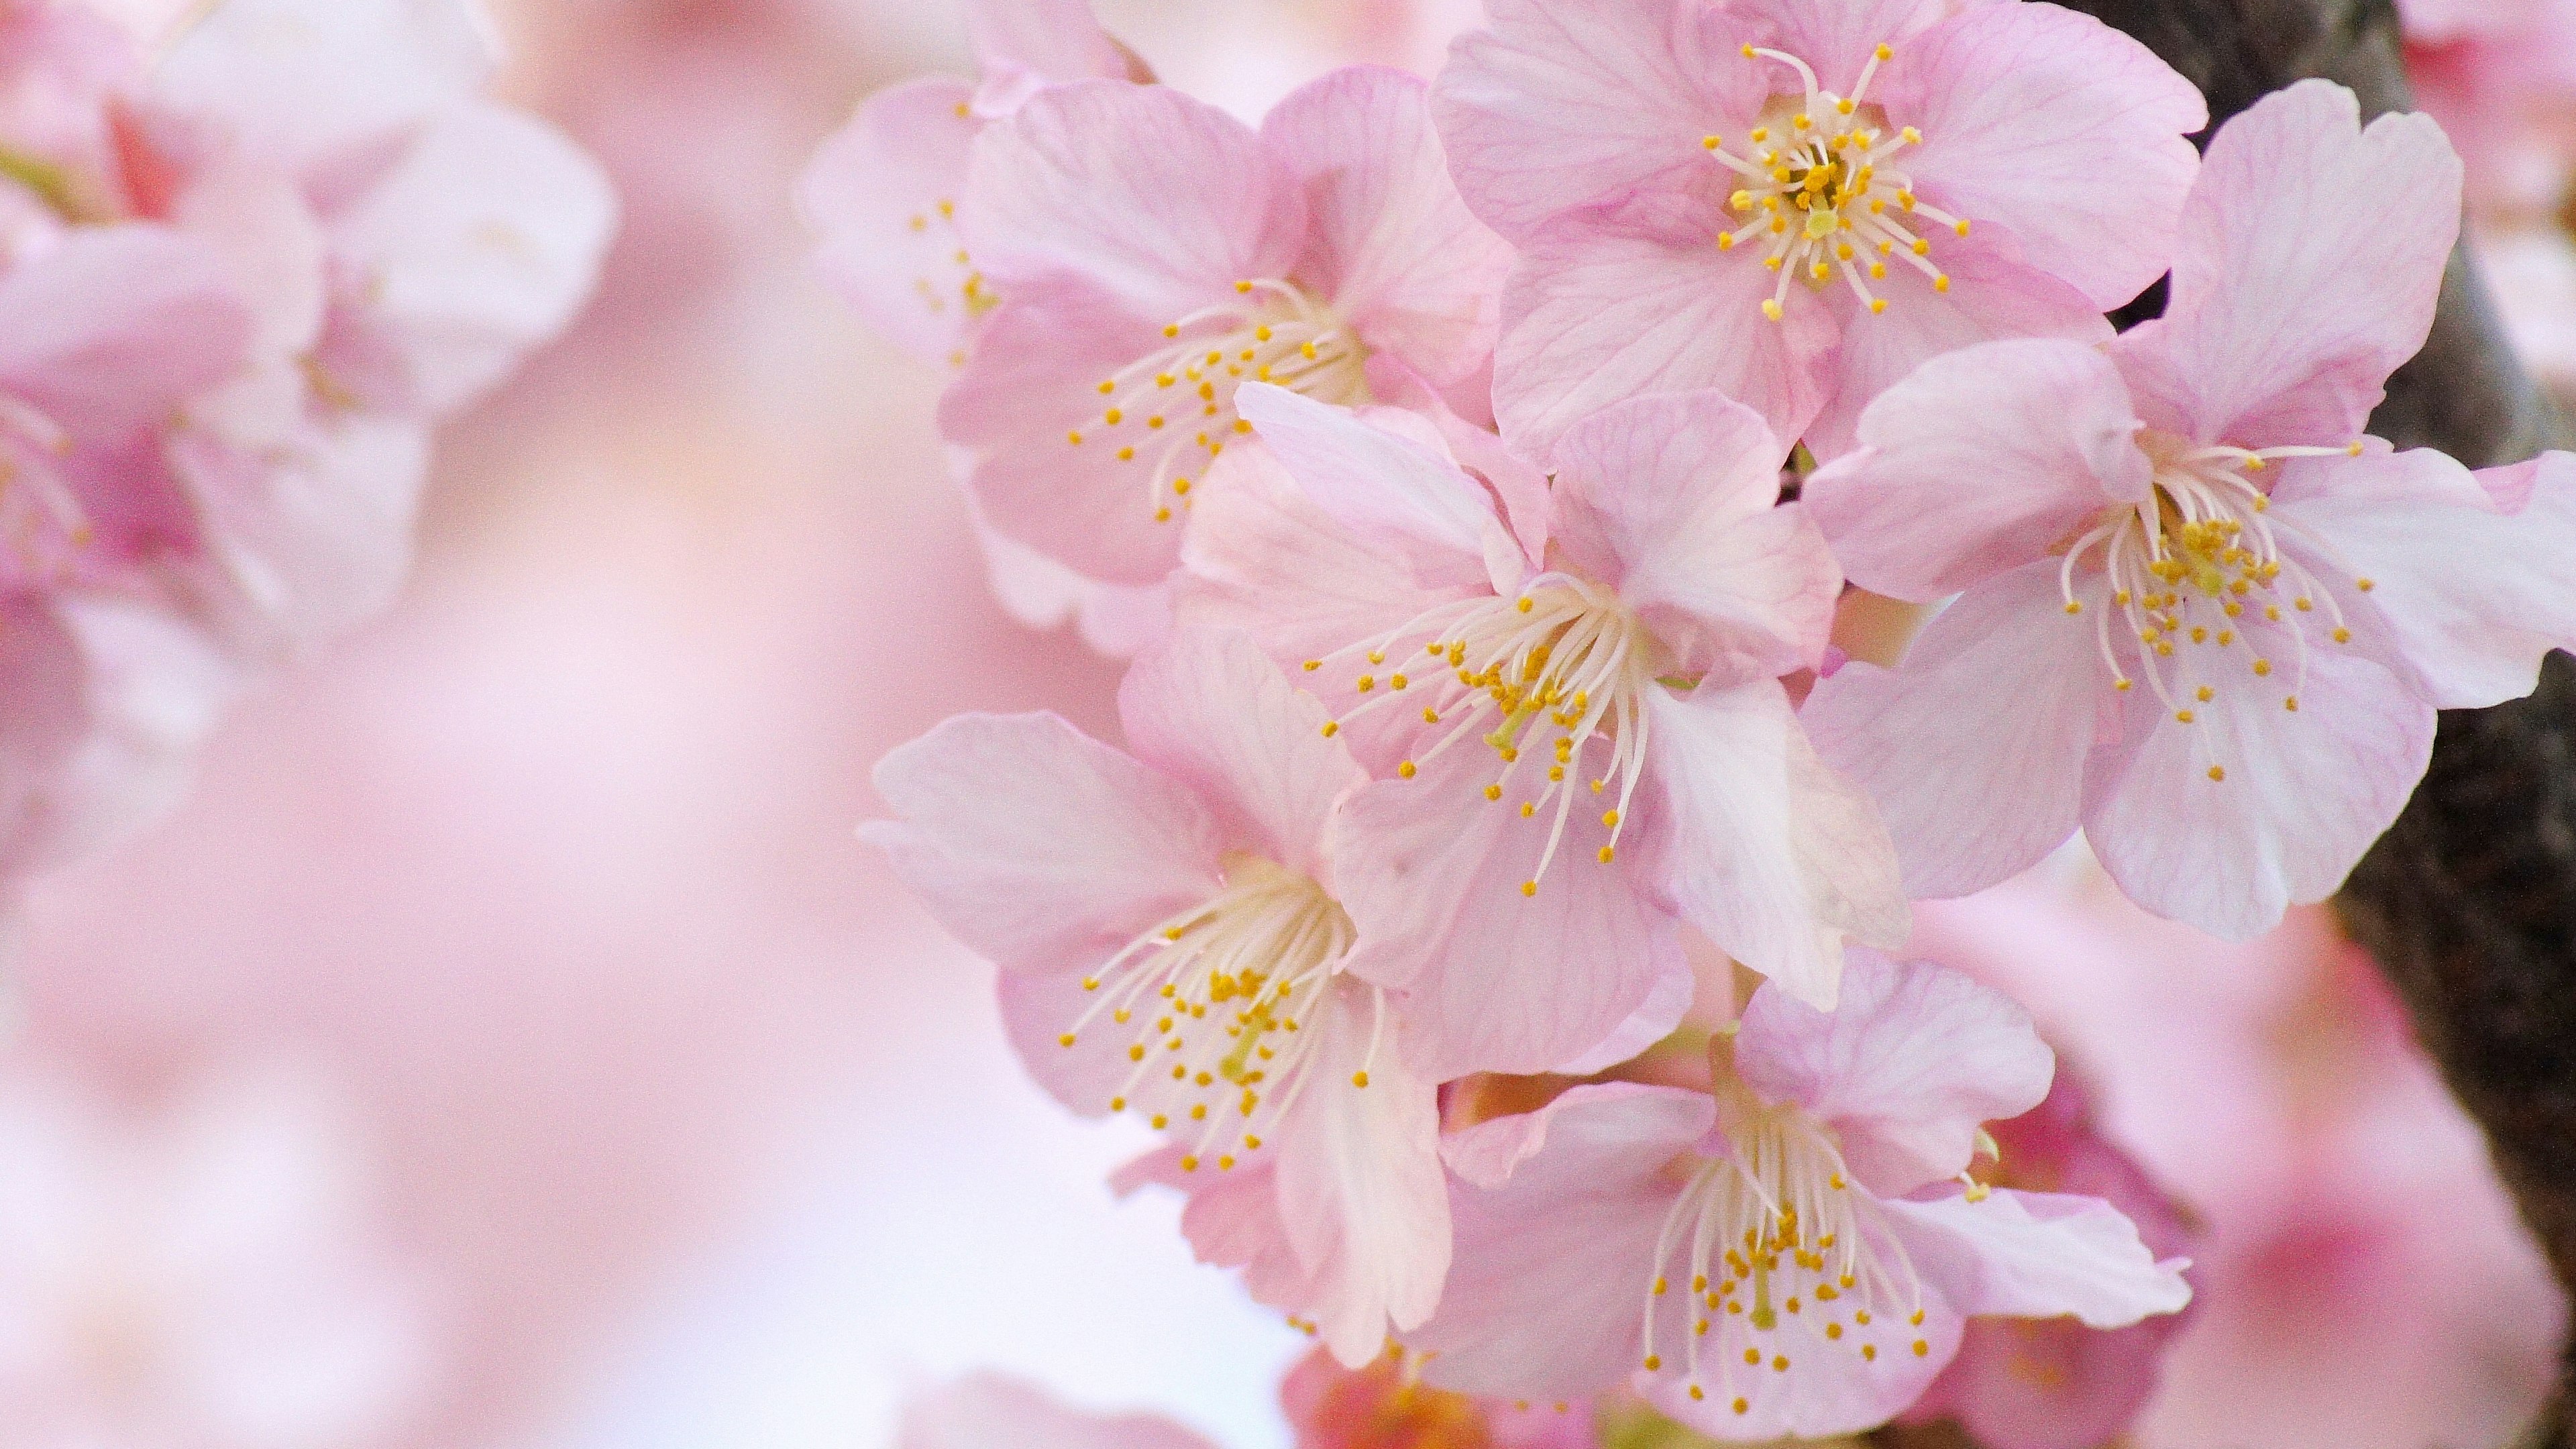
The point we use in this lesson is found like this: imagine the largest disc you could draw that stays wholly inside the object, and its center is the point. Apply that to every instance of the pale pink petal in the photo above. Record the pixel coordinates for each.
(1557, 103)
(108, 333)
(1522, 486)
(2064, 133)
(2477, 594)
(991, 1411)
(1990, 297)
(2311, 255)
(1402, 259)
(1211, 710)
(2039, 1255)
(1978, 463)
(1836, 37)
(1039, 848)
(1361, 1189)
(1031, 386)
(1975, 747)
(1058, 39)
(1671, 500)
(1907, 1067)
(2303, 792)
(1039, 1010)
(1231, 1219)
(1548, 1282)
(1496, 980)
(1634, 298)
(1654, 1019)
(881, 196)
(1772, 855)
(1160, 201)
(1118, 621)
(314, 531)
(1379, 480)
(307, 81)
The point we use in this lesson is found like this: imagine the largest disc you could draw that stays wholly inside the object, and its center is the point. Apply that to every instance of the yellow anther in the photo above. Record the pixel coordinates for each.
(1529, 887)
(1359, 1079)
(2218, 772)
(2183, 716)
(1493, 792)
(1074, 438)
(1332, 727)
(1406, 769)
(2074, 607)
(1771, 308)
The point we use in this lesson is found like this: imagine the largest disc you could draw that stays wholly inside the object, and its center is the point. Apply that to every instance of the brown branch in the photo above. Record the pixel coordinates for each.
(2469, 903)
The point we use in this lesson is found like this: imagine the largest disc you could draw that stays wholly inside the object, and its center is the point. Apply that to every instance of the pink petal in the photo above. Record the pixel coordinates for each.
(1633, 297)
(110, 332)
(1361, 1188)
(1835, 37)
(1906, 1068)
(882, 195)
(1495, 980)
(1160, 201)
(2311, 255)
(1558, 103)
(1037, 847)
(1057, 39)
(1212, 711)
(317, 535)
(1039, 1009)
(1975, 748)
(2064, 133)
(1547, 1286)
(2305, 792)
(1671, 498)
(1767, 851)
(1991, 296)
(1379, 481)
(1031, 385)
(2039, 1255)
(1391, 242)
(2477, 595)
(991, 1411)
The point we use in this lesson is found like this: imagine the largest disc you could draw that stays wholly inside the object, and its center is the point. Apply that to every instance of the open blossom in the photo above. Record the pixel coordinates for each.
(2202, 615)
(1797, 201)
(1571, 697)
(995, 1411)
(1172, 945)
(1788, 1256)
(1155, 254)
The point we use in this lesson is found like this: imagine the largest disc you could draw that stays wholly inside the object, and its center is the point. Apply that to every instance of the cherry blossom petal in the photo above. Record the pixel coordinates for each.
(1633, 298)
(107, 333)
(306, 81)
(1978, 463)
(2310, 258)
(1036, 846)
(2300, 795)
(1975, 748)
(1211, 710)
(1549, 1279)
(992, 1411)
(1058, 39)
(2039, 1255)
(1671, 498)
(1379, 482)
(2065, 133)
(1767, 851)
(1161, 201)
(1907, 1067)
(317, 535)
(1402, 258)
(1496, 980)
(2476, 594)
(1836, 37)
(882, 195)
(1558, 103)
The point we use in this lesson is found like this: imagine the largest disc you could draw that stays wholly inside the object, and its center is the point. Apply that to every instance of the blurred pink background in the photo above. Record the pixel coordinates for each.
(681, 1126)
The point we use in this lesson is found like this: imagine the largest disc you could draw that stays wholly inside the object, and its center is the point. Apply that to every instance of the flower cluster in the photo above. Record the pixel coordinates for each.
(1483, 471)
(240, 283)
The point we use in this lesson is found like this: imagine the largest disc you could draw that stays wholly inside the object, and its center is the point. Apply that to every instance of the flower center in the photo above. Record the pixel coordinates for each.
(1183, 393)
(1816, 187)
(1562, 666)
(1774, 1228)
(1222, 1000)
(2187, 562)
(963, 289)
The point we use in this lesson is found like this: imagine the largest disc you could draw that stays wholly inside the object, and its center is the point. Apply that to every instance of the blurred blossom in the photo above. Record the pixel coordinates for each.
(207, 1278)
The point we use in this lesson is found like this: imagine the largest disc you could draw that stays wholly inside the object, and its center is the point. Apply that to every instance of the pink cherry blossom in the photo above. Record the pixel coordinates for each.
(1172, 945)
(1154, 254)
(1571, 698)
(2202, 615)
(995, 1411)
(207, 1280)
(1785, 1258)
(1796, 201)
(1386, 1405)
(2056, 1383)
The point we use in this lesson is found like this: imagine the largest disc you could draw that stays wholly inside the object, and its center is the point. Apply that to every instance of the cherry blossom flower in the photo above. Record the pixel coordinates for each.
(1386, 1405)
(2203, 616)
(1784, 1258)
(1172, 945)
(1796, 201)
(2023, 1383)
(996, 1411)
(210, 1280)
(1572, 701)
(1155, 254)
